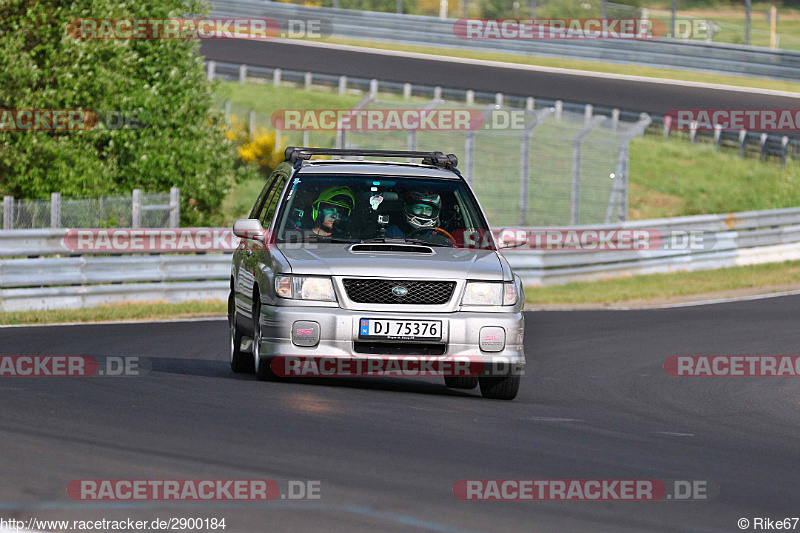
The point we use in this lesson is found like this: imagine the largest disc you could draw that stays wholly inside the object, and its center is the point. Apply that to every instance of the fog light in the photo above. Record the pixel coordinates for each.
(305, 333)
(492, 339)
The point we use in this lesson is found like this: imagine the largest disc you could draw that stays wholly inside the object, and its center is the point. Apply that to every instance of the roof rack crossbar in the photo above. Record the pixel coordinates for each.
(293, 154)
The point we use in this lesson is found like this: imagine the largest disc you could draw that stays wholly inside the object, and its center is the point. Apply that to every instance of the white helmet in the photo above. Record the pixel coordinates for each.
(422, 209)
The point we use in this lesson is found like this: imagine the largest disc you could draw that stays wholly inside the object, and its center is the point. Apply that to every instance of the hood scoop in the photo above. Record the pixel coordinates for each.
(380, 247)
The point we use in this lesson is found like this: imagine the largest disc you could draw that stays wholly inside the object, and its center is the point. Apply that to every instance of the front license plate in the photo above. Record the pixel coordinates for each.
(407, 330)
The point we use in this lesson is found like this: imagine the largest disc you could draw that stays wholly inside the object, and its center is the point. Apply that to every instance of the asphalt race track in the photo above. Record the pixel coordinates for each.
(624, 94)
(388, 451)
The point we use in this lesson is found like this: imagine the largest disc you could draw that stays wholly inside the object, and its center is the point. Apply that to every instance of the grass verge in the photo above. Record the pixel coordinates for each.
(131, 311)
(772, 277)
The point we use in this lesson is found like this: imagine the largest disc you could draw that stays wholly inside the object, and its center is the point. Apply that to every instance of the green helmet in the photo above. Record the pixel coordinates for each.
(337, 195)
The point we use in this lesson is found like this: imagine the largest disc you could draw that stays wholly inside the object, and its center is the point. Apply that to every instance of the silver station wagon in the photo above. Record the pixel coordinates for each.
(350, 260)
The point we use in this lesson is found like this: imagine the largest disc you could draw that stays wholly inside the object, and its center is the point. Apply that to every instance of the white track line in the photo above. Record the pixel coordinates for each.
(536, 68)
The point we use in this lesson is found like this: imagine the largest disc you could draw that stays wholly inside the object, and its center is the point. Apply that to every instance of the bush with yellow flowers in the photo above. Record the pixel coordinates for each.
(259, 151)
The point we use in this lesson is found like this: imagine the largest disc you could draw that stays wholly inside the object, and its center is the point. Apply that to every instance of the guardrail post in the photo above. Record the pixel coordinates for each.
(559, 109)
(437, 93)
(743, 143)
(307, 81)
(342, 84)
(469, 156)
(276, 77)
(211, 67)
(174, 207)
(763, 146)
(373, 88)
(8, 212)
(136, 209)
(498, 99)
(470, 97)
(614, 120)
(530, 103)
(406, 91)
(717, 136)
(55, 210)
(242, 73)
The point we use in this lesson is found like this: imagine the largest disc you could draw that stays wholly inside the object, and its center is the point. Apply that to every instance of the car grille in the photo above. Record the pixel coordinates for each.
(379, 291)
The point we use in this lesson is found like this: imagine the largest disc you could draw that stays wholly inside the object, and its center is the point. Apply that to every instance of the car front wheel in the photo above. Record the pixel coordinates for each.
(241, 362)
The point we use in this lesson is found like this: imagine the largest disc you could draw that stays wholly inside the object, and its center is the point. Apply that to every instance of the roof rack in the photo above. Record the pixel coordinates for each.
(293, 154)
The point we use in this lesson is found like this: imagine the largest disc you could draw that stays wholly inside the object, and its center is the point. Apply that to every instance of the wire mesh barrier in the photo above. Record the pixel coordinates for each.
(553, 168)
(136, 210)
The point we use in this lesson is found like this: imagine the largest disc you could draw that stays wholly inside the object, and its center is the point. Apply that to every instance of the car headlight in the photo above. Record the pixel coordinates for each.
(305, 288)
(487, 293)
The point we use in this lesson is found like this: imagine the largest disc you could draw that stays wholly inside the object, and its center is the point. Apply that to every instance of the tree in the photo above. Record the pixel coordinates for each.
(157, 90)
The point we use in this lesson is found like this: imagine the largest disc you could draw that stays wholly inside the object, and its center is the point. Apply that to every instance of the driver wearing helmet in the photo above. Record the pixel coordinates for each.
(332, 206)
(421, 212)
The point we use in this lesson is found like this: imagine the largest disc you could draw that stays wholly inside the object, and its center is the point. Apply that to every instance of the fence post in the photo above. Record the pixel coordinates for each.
(406, 91)
(242, 73)
(524, 177)
(373, 88)
(228, 112)
(437, 93)
(411, 140)
(8, 212)
(252, 121)
(718, 136)
(498, 99)
(530, 103)
(136, 209)
(693, 131)
(55, 210)
(763, 146)
(342, 84)
(667, 125)
(785, 149)
(469, 156)
(174, 207)
(305, 138)
(212, 67)
(588, 111)
(614, 119)
(559, 109)
(307, 81)
(622, 215)
(575, 198)
(276, 77)
(743, 143)
(470, 97)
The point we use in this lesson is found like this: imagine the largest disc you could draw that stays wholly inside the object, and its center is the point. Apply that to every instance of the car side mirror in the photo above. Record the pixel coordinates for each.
(249, 228)
(511, 238)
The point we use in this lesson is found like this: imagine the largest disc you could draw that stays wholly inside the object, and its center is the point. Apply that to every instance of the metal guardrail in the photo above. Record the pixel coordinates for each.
(746, 143)
(432, 31)
(38, 282)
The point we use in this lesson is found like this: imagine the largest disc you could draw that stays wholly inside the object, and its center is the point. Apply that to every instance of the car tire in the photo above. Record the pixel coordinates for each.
(241, 362)
(464, 382)
(500, 387)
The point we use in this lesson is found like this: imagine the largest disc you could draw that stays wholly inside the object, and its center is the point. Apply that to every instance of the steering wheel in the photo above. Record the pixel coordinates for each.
(436, 229)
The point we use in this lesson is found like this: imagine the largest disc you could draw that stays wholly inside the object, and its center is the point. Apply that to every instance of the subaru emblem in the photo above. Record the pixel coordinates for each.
(399, 291)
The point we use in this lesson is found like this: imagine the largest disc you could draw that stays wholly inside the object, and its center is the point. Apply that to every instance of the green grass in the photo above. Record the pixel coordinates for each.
(676, 178)
(667, 286)
(132, 311)
(578, 64)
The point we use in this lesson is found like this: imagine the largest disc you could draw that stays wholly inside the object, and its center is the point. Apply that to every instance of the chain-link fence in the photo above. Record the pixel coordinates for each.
(136, 210)
(553, 168)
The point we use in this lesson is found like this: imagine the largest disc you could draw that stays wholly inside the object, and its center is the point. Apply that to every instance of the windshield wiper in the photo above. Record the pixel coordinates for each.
(391, 240)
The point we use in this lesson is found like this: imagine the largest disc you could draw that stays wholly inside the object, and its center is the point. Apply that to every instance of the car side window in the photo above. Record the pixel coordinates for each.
(260, 200)
(272, 201)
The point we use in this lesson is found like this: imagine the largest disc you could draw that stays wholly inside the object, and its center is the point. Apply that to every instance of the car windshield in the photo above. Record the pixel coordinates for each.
(358, 208)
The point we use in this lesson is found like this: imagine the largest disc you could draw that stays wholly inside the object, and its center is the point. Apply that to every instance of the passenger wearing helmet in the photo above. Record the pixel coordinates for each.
(333, 205)
(421, 212)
